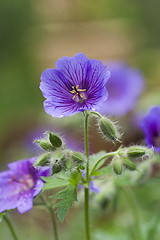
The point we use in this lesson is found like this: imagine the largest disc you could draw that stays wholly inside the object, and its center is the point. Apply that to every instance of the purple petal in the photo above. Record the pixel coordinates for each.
(73, 68)
(25, 203)
(93, 187)
(38, 187)
(151, 127)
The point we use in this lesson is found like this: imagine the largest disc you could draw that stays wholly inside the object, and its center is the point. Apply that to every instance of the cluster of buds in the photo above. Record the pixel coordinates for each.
(68, 161)
(58, 158)
(126, 157)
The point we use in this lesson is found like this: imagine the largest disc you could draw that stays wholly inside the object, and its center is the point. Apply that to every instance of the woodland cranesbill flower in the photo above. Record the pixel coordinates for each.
(151, 127)
(76, 84)
(124, 87)
(20, 184)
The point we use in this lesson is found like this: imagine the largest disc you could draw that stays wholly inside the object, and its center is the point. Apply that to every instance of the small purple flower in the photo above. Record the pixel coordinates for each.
(92, 186)
(151, 127)
(76, 84)
(124, 87)
(20, 184)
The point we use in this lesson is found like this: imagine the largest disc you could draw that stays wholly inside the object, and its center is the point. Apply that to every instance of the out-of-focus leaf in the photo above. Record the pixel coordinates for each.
(94, 158)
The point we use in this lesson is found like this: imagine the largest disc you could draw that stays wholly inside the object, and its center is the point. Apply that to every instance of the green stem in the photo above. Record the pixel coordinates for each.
(87, 213)
(10, 227)
(135, 211)
(86, 190)
(105, 156)
(86, 145)
(96, 113)
(54, 222)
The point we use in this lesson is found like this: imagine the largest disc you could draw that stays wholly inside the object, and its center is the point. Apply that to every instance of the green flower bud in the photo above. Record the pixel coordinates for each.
(129, 163)
(117, 166)
(81, 167)
(45, 145)
(74, 173)
(56, 168)
(68, 163)
(138, 151)
(43, 160)
(108, 129)
(78, 157)
(55, 140)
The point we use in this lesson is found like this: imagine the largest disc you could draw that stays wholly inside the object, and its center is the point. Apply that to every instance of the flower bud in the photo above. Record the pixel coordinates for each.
(78, 157)
(45, 145)
(138, 151)
(74, 173)
(117, 166)
(81, 167)
(56, 168)
(108, 129)
(68, 163)
(43, 160)
(55, 140)
(129, 163)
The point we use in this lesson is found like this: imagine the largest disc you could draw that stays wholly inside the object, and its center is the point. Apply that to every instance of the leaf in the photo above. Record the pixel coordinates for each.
(105, 170)
(1, 215)
(94, 158)
(53, 182)
(67, 196)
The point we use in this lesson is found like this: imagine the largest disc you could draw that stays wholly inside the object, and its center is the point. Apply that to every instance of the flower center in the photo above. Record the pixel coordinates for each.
(26, 182)
(79, 95)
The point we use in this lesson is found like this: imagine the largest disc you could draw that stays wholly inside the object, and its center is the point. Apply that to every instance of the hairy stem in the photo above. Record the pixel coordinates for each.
(54, 222)
(86, 190)
(10, 227)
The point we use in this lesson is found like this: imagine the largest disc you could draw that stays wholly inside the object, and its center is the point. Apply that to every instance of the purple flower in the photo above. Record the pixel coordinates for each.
(20, 184)
(124, 87)
(92, 186)
(151, 127)
(77, 84)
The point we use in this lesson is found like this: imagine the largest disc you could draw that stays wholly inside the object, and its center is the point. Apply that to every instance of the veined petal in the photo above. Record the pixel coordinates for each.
(54, 84)
(73, 68)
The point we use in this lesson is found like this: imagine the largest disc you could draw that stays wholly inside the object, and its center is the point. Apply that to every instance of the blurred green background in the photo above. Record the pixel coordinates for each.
(33, 35)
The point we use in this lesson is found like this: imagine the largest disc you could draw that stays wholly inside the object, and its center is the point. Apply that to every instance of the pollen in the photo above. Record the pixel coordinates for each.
(78, 93)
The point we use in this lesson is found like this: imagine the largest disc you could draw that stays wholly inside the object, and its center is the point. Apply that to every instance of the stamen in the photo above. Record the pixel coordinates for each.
(76, 91)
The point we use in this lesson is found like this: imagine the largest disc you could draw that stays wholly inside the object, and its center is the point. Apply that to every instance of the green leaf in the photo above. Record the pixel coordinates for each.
(67, 196)
(1, 216)
(53, 182)
(94, 158)
(105, 170)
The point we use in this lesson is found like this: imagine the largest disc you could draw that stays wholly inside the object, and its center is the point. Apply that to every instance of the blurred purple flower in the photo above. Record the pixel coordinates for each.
(77, 84)
(151, 127)
(20, 184)
(124, 87)
(92, 186)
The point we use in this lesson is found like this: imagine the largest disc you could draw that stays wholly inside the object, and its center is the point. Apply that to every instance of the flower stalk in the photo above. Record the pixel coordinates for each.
(10, 227)
(53, 218)
(86, 189)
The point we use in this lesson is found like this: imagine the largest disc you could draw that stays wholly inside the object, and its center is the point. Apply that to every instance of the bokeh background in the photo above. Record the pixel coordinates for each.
(33, 35)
